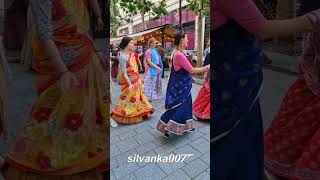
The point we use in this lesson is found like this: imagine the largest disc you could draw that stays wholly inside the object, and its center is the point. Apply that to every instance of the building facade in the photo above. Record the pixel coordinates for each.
(189, 23)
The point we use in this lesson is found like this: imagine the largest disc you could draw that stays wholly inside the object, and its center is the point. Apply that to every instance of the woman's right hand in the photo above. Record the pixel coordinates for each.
(130, 88)
(67, 81)
(205, 69)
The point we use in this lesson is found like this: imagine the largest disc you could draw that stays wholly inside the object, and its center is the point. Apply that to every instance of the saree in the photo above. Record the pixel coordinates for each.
(66, 134)
(292, 140)
(133, 106)
(201, 106)
(152, 83)
(236, 127)
(177, 118)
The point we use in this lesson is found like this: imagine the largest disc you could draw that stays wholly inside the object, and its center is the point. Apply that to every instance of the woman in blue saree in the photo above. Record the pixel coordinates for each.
(177, 119)
(236, 128)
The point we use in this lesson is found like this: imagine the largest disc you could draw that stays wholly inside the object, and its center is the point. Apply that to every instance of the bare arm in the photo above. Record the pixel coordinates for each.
(199, 70)
(278, 28)
(149, 62)
(42, 14)
(122, 63)
(95, 7)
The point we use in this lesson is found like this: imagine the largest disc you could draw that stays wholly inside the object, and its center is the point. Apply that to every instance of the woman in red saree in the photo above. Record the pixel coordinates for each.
(66, 134)
(292, 142)
(201, 106)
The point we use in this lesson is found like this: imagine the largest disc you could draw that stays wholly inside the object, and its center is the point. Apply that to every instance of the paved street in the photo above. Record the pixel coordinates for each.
(143, 139)
(275, 86)
(21, 93)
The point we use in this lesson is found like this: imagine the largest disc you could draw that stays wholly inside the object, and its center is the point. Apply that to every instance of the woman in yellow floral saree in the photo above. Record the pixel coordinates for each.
(133, 106)
(67, 132)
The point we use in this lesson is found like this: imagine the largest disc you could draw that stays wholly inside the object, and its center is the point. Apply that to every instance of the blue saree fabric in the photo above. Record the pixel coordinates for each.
(236, 127)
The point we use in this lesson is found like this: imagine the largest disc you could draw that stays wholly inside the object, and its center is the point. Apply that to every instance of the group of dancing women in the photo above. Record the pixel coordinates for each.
(134, 105)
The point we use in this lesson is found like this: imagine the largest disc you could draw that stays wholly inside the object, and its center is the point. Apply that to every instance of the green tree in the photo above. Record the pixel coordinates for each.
(115, 17)
(194, 6)
(142, 7)
(201, 8)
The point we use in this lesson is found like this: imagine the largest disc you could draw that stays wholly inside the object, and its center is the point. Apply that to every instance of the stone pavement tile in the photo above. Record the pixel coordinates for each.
(150, 154)
(123, 157)
(152, 123)
(206, 157)
(194, 135)
(136, 126)
(207, 136)
(112, 176)
(144, 138)
(118, 131)
(179, 141)
(188, 150)
(129, 177)
(113, 163)
(201, 144)
(195, 168)
(156, 134)
(145, 148)
(127, 135)
(165, 149)
(114, 139)
(127, 145)
(208, 170)
(160, 140)
(178, 175)
(150, 172)
(203, 176)
(170, 167)
(142, 129)
(200, 124)
(124, 170)
(205, 130)
(114, 150)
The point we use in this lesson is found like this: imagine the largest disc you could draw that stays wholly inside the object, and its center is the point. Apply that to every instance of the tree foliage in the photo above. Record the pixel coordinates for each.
(194, 6)
(142, 7)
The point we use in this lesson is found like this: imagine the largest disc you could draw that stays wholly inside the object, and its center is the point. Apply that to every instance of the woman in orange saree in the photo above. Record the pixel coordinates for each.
(67, 131)
(133, 106)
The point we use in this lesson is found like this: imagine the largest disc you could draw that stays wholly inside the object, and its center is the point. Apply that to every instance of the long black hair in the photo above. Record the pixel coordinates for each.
(308, 5)
(124, 42)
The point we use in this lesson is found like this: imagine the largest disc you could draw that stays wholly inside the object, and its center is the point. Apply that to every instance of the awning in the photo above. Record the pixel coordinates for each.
(165, 32)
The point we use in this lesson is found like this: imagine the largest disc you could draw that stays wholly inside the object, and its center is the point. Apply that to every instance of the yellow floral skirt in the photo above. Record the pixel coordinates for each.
(66, 134)
(132, 107)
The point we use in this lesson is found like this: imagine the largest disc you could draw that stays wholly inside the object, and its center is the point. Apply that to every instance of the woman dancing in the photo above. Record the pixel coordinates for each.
(177, 119)
(133, 106)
